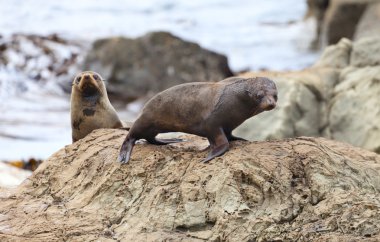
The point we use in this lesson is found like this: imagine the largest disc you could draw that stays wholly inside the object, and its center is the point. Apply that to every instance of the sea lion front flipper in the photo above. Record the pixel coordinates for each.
(219, 145)
(126, 150)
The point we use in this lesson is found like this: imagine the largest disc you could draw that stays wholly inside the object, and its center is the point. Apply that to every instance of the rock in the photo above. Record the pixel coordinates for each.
(342, 18)
(336, 56)
(365, 52)
(301, 108)
(369, 24)
(304, 189)
(317, 9)
(354, 116)
(337, 98)
(152, 63)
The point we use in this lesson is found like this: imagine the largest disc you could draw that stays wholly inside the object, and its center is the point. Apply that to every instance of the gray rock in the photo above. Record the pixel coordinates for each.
(342, 18)
(152, 63)
(336, 56)
(369, 25)
(354, 116)
(301, 108)
(366, 52)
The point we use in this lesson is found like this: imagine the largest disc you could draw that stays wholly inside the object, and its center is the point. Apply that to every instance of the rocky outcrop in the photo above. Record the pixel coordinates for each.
(301, 108)
(337, 98)
(336, 19)
(152, 63)
(342, 18)
(304, 189)
(369, 24)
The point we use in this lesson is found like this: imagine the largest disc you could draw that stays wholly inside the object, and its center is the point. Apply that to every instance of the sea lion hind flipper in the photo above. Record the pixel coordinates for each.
(169, 141)
(219, 145)
(126, 150)
(234, 138)
(155, 141)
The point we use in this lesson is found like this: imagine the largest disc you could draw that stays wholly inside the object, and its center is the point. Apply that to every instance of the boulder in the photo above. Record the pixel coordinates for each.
(301, 107)
(337, 98)
(152, 63)
(365, 52)
(304, 189)
(336, 56)
(354, 115)
(342, 18)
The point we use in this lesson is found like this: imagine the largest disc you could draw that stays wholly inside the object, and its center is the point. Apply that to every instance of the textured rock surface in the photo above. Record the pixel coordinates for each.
(365, 52)
(152, 63)
(336, 56)
(305, 189)
(301, 108)
(355, 109)
(337, 98)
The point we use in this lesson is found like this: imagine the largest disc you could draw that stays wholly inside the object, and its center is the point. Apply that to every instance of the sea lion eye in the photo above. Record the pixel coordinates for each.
(260, 95)
(275, 97)
(96, 77)
(77, 80)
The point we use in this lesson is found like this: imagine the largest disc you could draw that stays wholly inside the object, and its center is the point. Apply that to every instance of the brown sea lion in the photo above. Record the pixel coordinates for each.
(208, 109)
(90, 106)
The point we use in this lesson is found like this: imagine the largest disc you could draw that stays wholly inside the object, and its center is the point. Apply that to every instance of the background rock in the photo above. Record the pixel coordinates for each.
(336, 56)
(337, 98)
(301, 107)
(152, 63)
(342, 18)
(369, 24)
(355, 109)
(366, 52)
(304, 189)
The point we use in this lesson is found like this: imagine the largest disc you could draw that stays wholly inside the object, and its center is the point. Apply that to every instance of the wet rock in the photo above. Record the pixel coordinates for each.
(304, 189)
(152, 63)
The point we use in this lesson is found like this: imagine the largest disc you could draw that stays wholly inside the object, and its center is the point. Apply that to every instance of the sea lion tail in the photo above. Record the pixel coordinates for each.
(126, 150)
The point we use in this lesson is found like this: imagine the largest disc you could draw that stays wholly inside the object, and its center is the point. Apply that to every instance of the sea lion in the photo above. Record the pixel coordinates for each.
(207, 109)
(90, 106)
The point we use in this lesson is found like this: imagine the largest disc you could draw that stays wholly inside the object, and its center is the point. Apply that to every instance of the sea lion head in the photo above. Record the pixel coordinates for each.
(89, 84)
(263, 92)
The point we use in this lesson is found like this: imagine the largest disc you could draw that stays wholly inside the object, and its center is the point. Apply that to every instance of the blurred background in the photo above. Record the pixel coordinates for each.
(142, 47)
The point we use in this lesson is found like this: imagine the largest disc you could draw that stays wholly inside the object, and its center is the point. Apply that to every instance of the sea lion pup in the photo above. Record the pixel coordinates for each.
(90, 106)
(207, 109)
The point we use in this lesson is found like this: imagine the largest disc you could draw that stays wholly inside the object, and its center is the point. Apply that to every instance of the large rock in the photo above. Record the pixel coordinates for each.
(354, 116)
(301, 108)
(336, 56)
(366, 52)
(336, 98)
(342, 17)
(154, 62)
(305, 189)
(369, 24)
